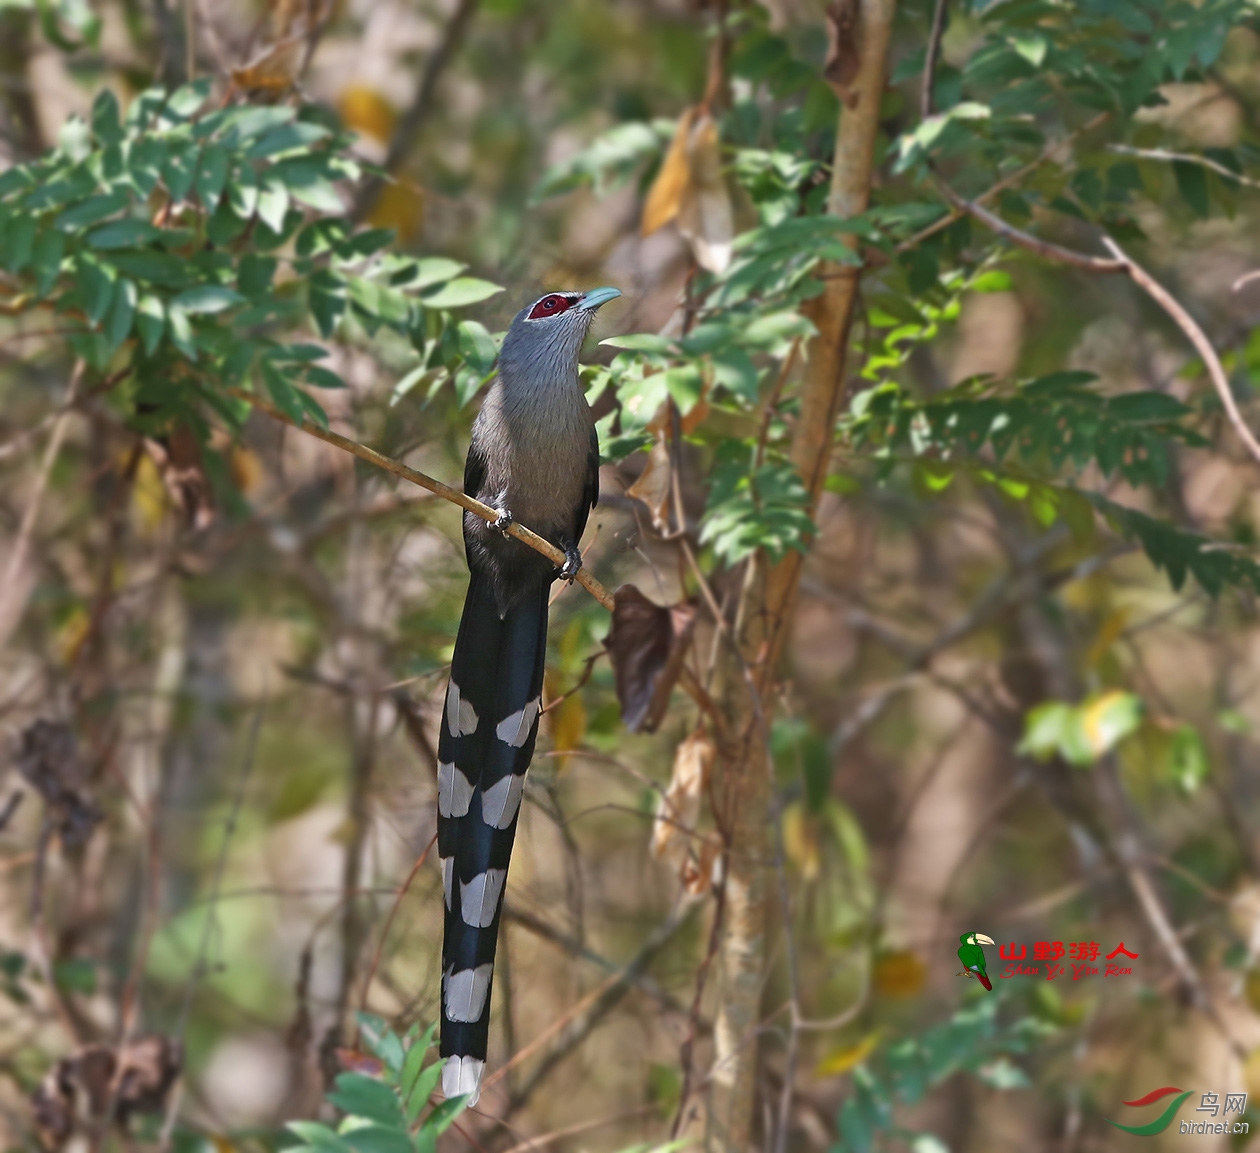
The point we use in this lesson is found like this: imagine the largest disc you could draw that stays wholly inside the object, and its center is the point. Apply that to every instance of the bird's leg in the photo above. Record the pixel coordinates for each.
(572, 562)
(502, 521)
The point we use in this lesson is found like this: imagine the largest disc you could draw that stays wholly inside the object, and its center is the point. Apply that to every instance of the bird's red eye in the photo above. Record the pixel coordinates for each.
(551, 305)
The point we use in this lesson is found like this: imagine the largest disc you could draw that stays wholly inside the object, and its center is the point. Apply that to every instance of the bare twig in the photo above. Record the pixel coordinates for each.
(414, 118)
(12, 593)
(203, 945)
(1183, 158)
(445, 491)
(1216, 371)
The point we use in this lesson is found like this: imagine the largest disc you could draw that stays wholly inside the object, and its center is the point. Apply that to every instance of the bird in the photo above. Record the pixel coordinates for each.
(972, 957)
(534, 457)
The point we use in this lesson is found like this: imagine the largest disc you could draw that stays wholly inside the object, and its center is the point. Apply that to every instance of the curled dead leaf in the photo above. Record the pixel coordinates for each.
(665, 197)
(844, 57)
(48, 759)
(653, 485)
(646, 645)
(705, 217)
(273, 70)
(135, 1078)
(678, 809)
(691, 189)
(702, 870)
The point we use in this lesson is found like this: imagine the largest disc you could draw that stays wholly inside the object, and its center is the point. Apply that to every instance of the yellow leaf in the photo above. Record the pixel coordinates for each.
(72, 633)
(399, 206)
(567, 721)
(246, 468)
(665, 197)
(148, 493)
(366, 110)
(842, 1060)
(800, 841)
(1108, 719)
(1108, 633)
(899, 973)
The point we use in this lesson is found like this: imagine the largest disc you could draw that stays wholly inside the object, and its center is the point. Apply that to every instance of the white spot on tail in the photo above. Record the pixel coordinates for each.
(463, 1075)
(479, 898)
(454, 791)
(515, 729)
(500, 802)
(448, 872)
(466, 993)
(461, 717)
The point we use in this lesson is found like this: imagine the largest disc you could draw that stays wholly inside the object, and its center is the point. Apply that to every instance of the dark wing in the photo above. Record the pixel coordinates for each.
(474, 471)
(590, 493)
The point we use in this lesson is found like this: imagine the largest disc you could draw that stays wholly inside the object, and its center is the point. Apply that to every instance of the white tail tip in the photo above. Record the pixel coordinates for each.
(463, 1075)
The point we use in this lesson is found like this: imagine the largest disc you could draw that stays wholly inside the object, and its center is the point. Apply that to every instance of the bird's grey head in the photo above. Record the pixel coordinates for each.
(542, 345)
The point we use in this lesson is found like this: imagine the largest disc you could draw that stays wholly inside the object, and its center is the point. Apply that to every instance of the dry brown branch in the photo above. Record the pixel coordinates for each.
(445, 491)
(1196, 336)
(13, 590)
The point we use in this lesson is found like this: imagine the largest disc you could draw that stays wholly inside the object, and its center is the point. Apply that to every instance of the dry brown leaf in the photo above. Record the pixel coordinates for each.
(274, 69)
(653, 485)
(844, 57)
(134, 1079)
(646, 645)
(705, 218)
(699, 873)
(48, 760)
(678, 808)
(179, 463)
(665, 197)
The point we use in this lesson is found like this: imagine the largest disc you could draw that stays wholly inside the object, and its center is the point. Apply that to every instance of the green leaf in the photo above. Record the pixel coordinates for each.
(211, 176)
(1188, 763)
(476, 346)
(441, 1119)
(92, 210)
(317, 1136)
(377, 1138)
(106, 118)
(181, 330)
(18, 241)
(50, 245)
(286, 397)
(362, 1096)
(460, 292)
(1192, 184)
(273, 204)
(121, 314)
(642, 342)
(150, 322)
(207, 299)
(123, 234)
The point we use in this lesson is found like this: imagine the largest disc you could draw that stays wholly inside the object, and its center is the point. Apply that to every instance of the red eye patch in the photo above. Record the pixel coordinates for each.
(552, 305)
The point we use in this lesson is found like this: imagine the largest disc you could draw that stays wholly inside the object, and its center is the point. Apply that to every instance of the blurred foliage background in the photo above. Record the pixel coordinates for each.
(1019, 690)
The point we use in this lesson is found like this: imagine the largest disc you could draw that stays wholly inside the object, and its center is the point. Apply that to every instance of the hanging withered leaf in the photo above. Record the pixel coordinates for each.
(705, 218)
(678, 808)
(844, 55)
(653, 485)
(48, 759)
(646, 644)
(665, 197)
(691, 189)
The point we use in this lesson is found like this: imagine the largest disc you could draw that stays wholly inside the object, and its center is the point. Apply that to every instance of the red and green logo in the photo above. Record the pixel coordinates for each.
(1163, 1120)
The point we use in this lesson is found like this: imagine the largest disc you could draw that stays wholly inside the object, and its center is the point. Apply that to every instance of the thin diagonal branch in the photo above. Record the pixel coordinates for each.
(445, 491)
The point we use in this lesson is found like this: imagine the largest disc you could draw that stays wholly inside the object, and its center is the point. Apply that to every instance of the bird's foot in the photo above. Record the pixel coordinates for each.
(502, 521)
(572, 563)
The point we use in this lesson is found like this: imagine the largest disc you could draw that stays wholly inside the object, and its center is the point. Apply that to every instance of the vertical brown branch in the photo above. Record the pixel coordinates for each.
(769, 594)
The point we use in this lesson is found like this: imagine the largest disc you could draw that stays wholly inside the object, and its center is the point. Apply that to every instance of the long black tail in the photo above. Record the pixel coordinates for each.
(488, 729)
